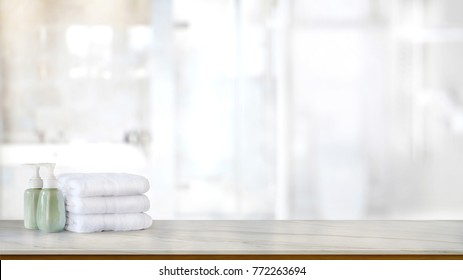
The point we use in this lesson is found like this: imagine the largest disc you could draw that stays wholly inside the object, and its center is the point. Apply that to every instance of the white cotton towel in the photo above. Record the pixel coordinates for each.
(107, 204)
(102, 184)
(103, 222)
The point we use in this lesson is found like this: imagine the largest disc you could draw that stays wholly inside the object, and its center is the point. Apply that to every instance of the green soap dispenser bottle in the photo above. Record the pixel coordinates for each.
(31, 197)
(51, 214)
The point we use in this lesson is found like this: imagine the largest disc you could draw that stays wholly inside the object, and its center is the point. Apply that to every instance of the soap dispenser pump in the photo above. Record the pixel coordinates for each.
(31, 197)
(51, 213)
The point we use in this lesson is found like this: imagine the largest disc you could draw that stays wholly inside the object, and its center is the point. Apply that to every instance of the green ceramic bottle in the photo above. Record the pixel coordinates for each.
(31, 198)
(51, 213)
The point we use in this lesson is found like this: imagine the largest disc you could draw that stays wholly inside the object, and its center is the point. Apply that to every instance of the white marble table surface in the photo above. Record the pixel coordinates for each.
(245, 237)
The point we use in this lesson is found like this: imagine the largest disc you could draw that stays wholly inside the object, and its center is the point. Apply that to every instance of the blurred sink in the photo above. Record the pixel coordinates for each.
(88, 155)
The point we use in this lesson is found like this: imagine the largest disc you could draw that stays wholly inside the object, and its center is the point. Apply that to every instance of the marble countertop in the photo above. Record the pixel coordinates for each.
(245, 238)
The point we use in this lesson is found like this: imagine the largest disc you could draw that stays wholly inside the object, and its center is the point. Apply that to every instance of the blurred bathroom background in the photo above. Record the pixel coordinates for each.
(241, 109)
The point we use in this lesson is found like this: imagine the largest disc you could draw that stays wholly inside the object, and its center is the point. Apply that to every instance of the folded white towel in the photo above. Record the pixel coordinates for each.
(107, 204)
(102, 184)
(101, 222)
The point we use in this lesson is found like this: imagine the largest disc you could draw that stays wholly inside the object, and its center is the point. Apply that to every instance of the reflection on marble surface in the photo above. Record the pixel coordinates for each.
(246, 237)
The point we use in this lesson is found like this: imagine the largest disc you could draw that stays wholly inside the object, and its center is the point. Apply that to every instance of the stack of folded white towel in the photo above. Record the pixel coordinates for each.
(105, 201)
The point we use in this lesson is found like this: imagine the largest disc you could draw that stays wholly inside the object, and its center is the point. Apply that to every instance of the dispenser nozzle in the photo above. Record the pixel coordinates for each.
(35, 181)
(50, 180)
